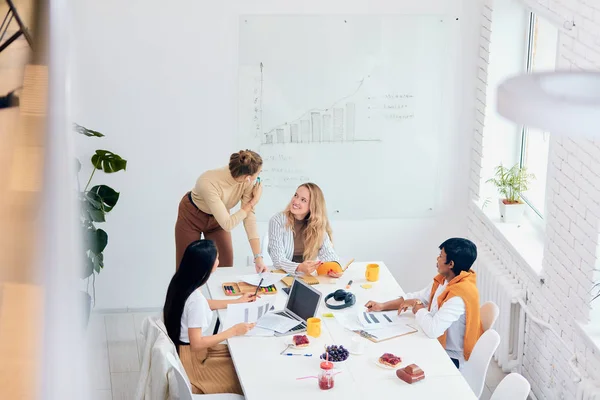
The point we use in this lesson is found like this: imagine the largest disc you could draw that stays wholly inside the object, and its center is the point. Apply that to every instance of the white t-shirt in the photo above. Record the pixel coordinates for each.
(196, 314)
(451, 318)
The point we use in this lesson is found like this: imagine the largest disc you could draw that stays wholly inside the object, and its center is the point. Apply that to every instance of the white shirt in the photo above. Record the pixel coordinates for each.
(196, 314)
(281, 245)
(450, 318)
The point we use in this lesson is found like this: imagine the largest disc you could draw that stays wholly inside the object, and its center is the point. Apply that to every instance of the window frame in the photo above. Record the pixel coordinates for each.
(524, 128)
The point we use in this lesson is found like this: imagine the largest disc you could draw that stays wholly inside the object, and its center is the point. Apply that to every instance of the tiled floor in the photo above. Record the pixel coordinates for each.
(114, 356)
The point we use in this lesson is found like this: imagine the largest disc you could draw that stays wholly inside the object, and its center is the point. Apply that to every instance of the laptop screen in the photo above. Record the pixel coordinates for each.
(303, 300)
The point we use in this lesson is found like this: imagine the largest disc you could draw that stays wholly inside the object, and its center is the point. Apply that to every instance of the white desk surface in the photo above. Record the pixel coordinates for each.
(264, 372)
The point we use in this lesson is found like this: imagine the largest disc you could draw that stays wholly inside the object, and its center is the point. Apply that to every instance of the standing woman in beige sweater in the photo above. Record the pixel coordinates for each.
(205, 210)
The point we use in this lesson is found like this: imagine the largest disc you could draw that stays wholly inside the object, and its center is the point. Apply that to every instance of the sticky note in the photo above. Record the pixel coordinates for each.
(366, 286)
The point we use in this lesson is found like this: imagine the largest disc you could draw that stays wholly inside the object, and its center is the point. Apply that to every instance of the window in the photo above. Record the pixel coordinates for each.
(520, 42)
(534, 144)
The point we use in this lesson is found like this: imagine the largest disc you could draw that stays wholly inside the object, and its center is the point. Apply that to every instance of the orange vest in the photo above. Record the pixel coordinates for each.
(465, 287)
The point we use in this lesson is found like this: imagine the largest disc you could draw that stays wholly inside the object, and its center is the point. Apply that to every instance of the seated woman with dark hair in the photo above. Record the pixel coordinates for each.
(188, 315)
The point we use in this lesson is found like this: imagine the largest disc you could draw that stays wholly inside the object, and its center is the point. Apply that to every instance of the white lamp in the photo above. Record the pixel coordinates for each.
(561, 102)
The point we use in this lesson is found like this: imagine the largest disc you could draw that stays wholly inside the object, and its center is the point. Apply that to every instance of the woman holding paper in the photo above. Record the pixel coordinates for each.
(188, 315)
(300, 236)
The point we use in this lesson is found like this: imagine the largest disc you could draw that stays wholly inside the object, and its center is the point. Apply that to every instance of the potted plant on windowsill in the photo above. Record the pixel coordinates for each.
(511, 183)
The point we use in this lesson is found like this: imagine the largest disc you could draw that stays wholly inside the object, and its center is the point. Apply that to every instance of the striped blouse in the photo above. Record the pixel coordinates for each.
(281, 245)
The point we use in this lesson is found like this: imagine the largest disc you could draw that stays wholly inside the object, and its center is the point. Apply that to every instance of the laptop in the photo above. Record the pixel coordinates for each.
(302, 304)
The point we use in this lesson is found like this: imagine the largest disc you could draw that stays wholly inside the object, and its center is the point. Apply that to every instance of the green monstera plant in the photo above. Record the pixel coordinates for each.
(95, 203)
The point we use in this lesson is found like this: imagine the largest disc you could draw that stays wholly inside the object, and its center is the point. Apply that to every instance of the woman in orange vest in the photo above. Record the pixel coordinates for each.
(448, 308)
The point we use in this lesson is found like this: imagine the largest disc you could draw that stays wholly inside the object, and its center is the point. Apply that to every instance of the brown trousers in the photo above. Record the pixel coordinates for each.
(210, 371)
(192, 224)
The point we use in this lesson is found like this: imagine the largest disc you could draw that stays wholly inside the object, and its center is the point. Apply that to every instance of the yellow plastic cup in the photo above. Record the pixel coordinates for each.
(372, 272)
(313, 327)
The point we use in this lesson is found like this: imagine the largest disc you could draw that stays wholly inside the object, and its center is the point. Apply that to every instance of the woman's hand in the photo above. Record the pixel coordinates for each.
(335, 274)
(247, 298)
(374, 306)
(242, 328)
(260, 266)
(257, 193)
(406, 304)
(308, 267)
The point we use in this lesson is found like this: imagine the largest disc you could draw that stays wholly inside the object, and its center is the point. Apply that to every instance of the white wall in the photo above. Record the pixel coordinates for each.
(159, 79)
(572, 222)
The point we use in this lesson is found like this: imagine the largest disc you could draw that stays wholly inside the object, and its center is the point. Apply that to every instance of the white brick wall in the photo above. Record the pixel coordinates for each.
(571, 250)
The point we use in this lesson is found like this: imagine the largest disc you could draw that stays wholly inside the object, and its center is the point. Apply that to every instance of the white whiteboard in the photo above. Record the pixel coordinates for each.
(354, 104)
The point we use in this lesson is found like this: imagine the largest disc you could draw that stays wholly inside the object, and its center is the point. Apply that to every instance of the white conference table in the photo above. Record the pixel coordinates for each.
(263, 372)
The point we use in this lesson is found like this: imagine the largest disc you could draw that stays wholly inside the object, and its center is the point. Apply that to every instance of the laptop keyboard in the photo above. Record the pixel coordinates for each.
(298, 327)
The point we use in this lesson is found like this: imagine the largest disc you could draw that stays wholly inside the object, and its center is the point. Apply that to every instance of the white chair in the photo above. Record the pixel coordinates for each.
(185, 392)
(489, 314)
(475, 370)
(512, 387)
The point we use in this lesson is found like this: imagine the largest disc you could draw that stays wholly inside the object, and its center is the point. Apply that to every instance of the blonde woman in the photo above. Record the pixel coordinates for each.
(300, 237)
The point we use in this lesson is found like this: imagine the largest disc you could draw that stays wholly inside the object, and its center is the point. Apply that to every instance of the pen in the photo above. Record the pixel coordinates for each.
(348, 285)
(347, 265)
(292, 354)
(258, 287)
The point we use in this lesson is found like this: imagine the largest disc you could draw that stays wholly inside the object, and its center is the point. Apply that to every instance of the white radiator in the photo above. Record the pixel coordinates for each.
(586, 390)
(496, 284)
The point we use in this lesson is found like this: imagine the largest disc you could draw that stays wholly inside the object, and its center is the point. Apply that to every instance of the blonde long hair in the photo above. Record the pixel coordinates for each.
(318, 223)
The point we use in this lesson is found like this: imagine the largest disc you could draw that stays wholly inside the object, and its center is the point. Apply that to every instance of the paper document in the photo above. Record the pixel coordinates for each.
(277, 323)
(379, 320)
(247, 312)
(348, 320)
(268, 278)
(258, 331)
(389, 331)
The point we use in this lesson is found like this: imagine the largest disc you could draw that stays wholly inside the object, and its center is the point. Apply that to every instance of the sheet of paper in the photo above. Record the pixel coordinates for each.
(268, 278)
(379, 320)
(258, 331)
(277, 323)
(390, 331)
(348, 320)
(247, 312)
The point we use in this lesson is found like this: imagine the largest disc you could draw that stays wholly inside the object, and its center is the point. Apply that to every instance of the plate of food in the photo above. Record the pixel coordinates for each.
(300, 342)
(337, 354)
(389, 361)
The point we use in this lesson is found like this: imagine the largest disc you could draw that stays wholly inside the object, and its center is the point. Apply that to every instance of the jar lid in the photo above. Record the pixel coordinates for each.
(326, 365)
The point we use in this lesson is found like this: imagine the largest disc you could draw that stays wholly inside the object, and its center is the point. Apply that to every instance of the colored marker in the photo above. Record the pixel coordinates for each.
(348, 285)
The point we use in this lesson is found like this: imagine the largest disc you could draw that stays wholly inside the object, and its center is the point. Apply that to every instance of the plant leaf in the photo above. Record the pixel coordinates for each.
(98, 262)
(96, 240)
(87, 132)
(109, 197)
(108, 161)
(88, 267)
(77, 165)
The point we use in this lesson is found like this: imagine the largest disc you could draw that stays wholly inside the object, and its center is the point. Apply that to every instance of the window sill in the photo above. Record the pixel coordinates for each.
(526, 238)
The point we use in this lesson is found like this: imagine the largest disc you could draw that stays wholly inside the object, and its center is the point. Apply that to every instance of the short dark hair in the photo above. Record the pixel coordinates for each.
(462, 251)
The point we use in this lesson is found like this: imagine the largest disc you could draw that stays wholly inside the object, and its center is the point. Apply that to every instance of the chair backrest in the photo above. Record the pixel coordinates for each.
(512, 387)
(475, 369)
(185, 392)
(489, 314)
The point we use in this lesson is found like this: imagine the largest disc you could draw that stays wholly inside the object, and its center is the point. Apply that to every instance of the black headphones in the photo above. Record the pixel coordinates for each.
(340, 295)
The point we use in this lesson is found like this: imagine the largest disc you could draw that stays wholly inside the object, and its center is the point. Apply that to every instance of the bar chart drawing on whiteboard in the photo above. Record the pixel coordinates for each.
(331, 124)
